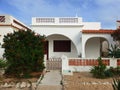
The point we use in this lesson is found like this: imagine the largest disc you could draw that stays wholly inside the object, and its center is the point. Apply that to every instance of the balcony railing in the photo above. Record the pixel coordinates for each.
(45, 20)
(63, 20)
(68, 20)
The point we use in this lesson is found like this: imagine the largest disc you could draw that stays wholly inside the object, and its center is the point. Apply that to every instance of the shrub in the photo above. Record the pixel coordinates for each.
(24, 51)
(110, 72)
(114, 51)
(99, 70)
(3, 63)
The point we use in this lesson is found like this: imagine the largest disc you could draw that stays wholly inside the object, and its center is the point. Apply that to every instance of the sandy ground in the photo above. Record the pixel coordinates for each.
(85, 81)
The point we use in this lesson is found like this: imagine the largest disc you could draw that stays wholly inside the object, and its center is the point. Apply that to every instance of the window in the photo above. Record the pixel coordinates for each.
(62, 46)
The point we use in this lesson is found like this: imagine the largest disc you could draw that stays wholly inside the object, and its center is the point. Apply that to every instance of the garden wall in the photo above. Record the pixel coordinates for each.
(85, 64)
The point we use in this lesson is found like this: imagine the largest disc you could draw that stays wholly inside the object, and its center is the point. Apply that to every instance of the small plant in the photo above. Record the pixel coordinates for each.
(99, 70)
(114, 52)
(116, 84)
(110, 72)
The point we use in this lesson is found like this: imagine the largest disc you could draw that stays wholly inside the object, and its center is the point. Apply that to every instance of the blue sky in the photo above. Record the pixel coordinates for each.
(104, 11)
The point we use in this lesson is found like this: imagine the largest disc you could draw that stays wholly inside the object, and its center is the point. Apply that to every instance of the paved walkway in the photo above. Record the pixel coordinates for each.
(51, 81)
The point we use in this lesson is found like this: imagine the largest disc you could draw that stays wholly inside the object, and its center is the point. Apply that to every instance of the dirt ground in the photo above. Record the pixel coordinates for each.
(85, 81)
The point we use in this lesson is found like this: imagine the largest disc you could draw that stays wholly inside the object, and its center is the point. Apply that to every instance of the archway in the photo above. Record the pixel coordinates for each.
(59, 45)
(104, 48)
(96, 47)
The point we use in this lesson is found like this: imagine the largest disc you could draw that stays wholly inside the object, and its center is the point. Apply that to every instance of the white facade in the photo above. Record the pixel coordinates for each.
(85, 45)
(70, 28)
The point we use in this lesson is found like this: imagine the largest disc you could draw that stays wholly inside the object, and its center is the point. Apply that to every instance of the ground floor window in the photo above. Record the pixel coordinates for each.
(62, 46)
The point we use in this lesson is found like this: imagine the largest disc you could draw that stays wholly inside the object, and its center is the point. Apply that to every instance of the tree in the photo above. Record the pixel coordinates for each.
(24, 51)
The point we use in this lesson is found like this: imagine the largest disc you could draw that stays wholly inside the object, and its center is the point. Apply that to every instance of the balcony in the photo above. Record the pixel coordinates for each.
(56, 21)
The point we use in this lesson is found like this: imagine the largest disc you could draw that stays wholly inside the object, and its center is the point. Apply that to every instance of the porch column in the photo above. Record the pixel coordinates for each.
(83, 48)
(65, 66)
(45, 60)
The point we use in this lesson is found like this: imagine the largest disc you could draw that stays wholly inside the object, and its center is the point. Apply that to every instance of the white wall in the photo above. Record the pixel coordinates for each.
(3, 31)
(91, 25)
(51, 38)
(73, 33)
(70, 30)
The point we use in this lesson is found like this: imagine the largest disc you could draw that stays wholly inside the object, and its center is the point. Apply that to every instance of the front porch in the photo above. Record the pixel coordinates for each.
(58, 45)
(95, 43)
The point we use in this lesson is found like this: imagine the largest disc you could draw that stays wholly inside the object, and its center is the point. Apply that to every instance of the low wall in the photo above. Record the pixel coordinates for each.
(79, 64)
(85, 64)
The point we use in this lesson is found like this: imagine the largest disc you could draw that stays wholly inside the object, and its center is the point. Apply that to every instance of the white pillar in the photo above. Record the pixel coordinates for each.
(83, 49)
(65, 66)
(113, 62)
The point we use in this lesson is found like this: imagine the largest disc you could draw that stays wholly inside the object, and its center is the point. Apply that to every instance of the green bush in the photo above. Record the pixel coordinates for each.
(99, 70)
(24, 51)
(110, 72)
(3, 63)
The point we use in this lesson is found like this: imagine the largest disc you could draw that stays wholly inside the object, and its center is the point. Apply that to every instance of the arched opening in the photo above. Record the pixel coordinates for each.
(96, 47)
(59, 45)
(104, 48)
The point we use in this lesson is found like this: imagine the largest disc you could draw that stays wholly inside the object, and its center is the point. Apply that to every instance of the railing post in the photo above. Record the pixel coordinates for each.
(113, 62)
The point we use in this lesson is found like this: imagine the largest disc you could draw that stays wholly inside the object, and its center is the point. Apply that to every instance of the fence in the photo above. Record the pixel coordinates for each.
(83, 64)
(87, 62)
(54, 64)
(69, 65)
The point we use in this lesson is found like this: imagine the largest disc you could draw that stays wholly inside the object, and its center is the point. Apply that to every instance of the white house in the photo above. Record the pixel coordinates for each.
(68, 36)
(8, 24)
(72, 37)
(77, 43)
